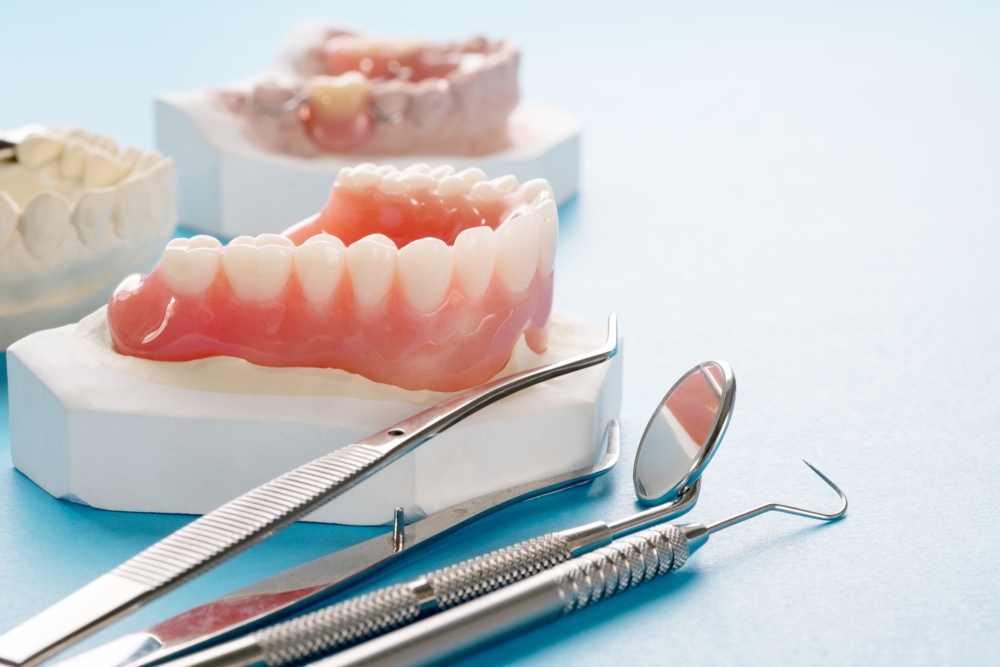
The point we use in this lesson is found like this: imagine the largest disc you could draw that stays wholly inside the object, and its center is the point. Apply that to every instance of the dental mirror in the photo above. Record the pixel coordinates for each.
(684, 433)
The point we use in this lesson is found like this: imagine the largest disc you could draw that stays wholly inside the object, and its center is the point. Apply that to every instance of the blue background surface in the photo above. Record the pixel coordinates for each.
(809, 191)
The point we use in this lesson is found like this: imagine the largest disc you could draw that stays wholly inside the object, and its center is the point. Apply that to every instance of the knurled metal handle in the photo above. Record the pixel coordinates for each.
(328, 630)
(624, 564)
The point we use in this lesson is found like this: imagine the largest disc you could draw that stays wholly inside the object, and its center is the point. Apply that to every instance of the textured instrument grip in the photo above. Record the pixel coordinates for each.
(624, 564)
(322, 632)
(479, 576)
(248, 519)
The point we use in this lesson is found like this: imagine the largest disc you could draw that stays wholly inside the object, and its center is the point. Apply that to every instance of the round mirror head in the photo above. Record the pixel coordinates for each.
(684, 432)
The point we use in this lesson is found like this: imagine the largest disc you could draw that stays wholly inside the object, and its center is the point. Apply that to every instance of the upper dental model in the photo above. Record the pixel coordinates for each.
(421, 278)
(76, 215)
(342, 92)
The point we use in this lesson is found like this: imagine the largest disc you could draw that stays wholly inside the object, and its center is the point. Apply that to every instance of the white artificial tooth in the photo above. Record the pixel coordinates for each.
(385, 170)
(257, 273)
(92, 215)
(367, 166)
(443, 171)
(419, 168)
(202, 241)
(105, 143)
(190, 265)
(323, 237)
(147, 161)
(244, 240)
(358, 178)
(406, 182)
(339, 96)
(274, 239)
(132, 203)
(472, 175)
(38, 149)
(130, 155)
(505, 184)
(372, 265)
(10, 213)
(74, 160)
(43, 223)
(548, 235)
(425, 273)
(530, 189)
(381, 238)
(364, 178)
(345, 177)
(103, 169)
(485, 191)
(161, 179)
(517, 252)
(475, 256)
(65, 132)
(451, 186)
(170, 190)
(320, 266)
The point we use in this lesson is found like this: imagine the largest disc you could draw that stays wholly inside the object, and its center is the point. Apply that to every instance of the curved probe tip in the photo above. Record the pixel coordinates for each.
(787, 509)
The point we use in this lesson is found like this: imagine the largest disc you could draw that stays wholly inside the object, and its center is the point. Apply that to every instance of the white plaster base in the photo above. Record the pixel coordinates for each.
(119, 435)
(18, 325)
(227, 186)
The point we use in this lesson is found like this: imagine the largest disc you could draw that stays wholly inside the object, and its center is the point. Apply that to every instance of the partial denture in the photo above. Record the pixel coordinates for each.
(423, 278)
(353, 93)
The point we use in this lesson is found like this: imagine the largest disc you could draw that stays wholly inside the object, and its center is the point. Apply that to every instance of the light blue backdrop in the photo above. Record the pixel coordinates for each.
(811, 192)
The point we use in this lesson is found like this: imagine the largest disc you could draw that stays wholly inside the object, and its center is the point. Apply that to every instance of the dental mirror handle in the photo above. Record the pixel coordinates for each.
(255, 516)
(358, 619)
(546, 597)
(536, 601)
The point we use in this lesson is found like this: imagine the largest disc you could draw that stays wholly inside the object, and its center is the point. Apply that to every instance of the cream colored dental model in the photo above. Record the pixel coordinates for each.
(76, 215)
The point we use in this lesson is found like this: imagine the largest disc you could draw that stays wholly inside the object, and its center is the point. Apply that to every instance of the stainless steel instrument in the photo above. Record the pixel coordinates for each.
(667, 470)
(548, 596)
(255, 516)
(285, 593)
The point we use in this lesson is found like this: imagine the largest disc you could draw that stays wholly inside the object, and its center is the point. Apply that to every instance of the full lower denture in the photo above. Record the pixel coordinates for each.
(473, 270)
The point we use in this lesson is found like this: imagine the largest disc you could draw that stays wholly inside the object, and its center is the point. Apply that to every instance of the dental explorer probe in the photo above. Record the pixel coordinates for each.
(358, 619)
(673, 471)
(257, 515)
(548, 596)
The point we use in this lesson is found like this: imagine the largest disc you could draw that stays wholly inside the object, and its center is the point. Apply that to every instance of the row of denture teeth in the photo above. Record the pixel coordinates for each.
(258, 268)
(443, 181)
(123, 190)
(94, 160)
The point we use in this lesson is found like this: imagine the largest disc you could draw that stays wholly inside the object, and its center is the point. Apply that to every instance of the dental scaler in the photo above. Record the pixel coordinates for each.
(546, 597)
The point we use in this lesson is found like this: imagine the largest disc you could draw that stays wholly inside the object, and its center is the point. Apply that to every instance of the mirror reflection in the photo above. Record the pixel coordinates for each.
(681, 433)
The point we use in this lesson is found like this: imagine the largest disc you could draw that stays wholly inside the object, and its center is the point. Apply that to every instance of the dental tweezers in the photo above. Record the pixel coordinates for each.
(287, 592)
(256, 515)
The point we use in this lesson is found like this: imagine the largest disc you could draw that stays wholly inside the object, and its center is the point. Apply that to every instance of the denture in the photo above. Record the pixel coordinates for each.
(421, 278)
(342, 92)
(77, 213)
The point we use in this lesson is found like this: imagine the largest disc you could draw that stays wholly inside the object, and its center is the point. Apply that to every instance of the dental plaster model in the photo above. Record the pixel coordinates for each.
(131, 409)
(421, 278)
(347, 93)
(77, 214)
(270, 146)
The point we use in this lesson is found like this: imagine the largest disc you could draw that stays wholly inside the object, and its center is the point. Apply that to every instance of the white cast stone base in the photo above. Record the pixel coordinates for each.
(228, 187)
(115, 432)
